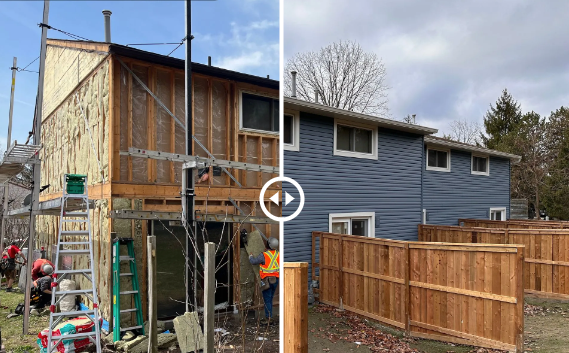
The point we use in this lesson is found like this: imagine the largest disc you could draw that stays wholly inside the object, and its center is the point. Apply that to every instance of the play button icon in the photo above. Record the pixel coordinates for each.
(276, 198)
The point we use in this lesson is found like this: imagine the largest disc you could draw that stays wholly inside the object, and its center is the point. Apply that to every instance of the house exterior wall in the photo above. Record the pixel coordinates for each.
(448, 196)
(389, 186)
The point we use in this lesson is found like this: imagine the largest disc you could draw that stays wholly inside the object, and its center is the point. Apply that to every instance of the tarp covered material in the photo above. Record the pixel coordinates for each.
(73, 326)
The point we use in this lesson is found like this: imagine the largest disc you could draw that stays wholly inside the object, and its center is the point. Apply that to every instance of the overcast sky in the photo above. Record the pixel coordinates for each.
(448, 60)
(239, 35)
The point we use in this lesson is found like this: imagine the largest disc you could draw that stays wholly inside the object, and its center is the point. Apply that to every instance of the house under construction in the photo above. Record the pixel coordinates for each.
(98, 105)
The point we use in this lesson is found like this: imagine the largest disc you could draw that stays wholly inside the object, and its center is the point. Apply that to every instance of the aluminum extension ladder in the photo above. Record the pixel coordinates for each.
(135, 292)
(75, 188)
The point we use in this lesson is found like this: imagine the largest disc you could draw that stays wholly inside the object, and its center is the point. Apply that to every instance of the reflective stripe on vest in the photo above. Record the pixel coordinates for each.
(272, 266)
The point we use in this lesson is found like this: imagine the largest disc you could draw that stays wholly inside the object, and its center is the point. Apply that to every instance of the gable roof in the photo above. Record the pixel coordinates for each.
(159, 59)
(439, 141)
(324, 110)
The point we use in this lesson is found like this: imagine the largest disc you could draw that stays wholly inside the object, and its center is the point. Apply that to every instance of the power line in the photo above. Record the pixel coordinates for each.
(74, 36)
(180, 44)
(153, 44)
(24, 69)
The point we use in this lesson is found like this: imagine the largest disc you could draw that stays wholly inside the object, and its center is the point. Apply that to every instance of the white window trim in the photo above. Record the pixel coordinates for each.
(496, 209)
(373, 129)
(437, 169)
(487, 164)
(241, 128)
(359, 215)
(295, 146)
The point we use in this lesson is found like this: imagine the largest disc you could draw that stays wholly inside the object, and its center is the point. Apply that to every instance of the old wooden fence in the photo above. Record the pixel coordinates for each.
(468, 294)
(513, 224)
(546, 270)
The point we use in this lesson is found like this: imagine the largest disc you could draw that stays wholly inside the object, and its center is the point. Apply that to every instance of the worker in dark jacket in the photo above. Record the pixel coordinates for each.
(42, 267)
(269, 267)
(42, 286)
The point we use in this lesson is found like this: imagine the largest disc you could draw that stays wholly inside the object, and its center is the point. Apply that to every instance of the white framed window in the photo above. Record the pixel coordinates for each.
(480, 164)
(438, 159)
(355, 140)
(258, 113)
(358, 223)
(291, 130)
(498, 213)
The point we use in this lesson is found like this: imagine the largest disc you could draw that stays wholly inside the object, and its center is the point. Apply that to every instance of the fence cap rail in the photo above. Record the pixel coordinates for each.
(466, 247)
(295, 264)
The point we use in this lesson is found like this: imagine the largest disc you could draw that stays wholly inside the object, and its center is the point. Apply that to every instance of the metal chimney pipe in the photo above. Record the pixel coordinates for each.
(107, 14)
(414, 115)
(293, 73)
(316, 97)
(209, 61)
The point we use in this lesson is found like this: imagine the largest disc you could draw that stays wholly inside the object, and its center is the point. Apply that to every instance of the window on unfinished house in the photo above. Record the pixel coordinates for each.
(259, 113)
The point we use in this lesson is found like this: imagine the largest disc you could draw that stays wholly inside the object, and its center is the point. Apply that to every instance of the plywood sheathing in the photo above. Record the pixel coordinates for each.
(68, 147)
(65, 68)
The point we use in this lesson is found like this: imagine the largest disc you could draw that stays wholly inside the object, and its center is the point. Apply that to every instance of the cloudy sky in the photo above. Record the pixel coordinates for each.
(239, 35)
(448, 60)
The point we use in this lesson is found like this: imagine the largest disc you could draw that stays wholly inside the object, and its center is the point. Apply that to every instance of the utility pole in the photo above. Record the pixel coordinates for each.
(152, 298)
(37, 167)
(188, 182)
(8, 143)
(209, 297)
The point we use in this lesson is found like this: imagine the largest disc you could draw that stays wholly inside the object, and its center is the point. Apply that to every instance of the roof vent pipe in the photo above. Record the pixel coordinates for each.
(414, 115)
(293, 73)
(209, 61)
(316, 97)
(107, 14)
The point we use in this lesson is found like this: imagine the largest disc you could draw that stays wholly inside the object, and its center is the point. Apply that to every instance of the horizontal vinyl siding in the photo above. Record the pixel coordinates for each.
(389, 186)
(460, 194)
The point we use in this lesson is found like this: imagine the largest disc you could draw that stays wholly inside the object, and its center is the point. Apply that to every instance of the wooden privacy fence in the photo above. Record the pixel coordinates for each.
(546, 272)
(467, 294)
(513, 224)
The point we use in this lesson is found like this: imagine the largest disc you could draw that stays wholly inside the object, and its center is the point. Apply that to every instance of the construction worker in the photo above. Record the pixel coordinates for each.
(42, 267)
(10, 271)
(268, 262)
(42, 286)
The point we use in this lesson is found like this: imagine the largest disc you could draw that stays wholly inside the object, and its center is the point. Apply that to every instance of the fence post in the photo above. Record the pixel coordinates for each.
(295, 307)
(407, 293)
(152, 298)
(209, 296)
(520, 296)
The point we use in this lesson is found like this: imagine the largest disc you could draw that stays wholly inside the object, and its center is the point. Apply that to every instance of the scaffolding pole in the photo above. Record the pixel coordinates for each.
(8, 142)
(37, 167)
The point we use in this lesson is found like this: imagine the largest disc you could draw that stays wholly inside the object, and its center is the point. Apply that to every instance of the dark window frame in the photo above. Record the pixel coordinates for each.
(274, 103)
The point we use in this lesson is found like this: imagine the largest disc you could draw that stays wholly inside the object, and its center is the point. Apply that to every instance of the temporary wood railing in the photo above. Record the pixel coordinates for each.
(468, 293)
(513, 224)
(546, 272)
(295, 298)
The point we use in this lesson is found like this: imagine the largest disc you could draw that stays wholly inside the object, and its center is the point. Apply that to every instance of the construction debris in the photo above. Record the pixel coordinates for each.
(189, 332)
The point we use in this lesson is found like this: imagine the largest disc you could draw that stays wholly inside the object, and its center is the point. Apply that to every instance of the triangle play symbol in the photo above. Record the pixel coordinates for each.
(275, 198)
(288, 198)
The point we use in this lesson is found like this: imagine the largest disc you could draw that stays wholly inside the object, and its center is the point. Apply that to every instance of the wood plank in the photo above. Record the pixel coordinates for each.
(151, 122)
(173, 124)
(229, 131)
(129, 123)
(470, 247)
(471, 293)
(376, 317)
(296, 294)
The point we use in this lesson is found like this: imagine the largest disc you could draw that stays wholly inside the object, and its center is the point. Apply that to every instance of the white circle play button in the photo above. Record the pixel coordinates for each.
(276, 198)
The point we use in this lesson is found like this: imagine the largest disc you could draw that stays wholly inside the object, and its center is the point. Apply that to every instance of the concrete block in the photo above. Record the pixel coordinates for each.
(189, 332)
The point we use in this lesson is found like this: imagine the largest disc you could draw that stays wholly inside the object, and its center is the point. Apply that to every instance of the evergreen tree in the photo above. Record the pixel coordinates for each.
(500, 122)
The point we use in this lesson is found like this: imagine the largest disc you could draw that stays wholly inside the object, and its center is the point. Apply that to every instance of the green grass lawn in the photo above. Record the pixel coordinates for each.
(12, 337)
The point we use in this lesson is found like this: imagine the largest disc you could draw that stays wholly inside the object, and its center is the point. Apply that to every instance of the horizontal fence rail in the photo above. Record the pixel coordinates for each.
(513, 224)
(467, 294)
(546, 270)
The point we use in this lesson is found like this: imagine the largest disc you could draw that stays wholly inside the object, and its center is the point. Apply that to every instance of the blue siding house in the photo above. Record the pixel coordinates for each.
(375, 177)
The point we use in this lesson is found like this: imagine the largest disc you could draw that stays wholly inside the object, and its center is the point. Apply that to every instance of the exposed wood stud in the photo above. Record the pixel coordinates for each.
(172, 123)
(129, 124)
(151, 121)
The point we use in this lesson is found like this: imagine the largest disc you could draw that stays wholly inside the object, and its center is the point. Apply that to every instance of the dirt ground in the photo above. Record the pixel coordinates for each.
(546, 331)
(232, 336)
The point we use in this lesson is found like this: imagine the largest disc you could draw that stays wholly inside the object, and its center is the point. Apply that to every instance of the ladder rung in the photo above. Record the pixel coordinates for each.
(74, 335)
(64, 272)
(76, 291)
(74, 313)
(75, 214)
(75, 252)
(74, 232)
(129, 310)
(126, 274)
(75, 220)
(75, 243)
(128, 292)
(126, 258)
(130, 328)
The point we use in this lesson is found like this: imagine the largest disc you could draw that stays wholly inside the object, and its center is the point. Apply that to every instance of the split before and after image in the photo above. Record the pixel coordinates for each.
(284, 176)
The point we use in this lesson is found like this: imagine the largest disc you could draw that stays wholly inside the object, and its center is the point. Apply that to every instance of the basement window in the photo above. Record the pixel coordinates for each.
(498, 214)
(355, 140)
(359, 223)
(438, 159)
(259, 113)
(480, 165)
(291, 130)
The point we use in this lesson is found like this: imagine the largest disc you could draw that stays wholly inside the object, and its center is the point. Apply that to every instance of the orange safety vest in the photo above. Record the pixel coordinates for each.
(271, 266)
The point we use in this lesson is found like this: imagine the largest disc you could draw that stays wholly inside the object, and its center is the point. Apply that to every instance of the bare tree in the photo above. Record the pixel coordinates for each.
(344, 76)
(464, 131)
